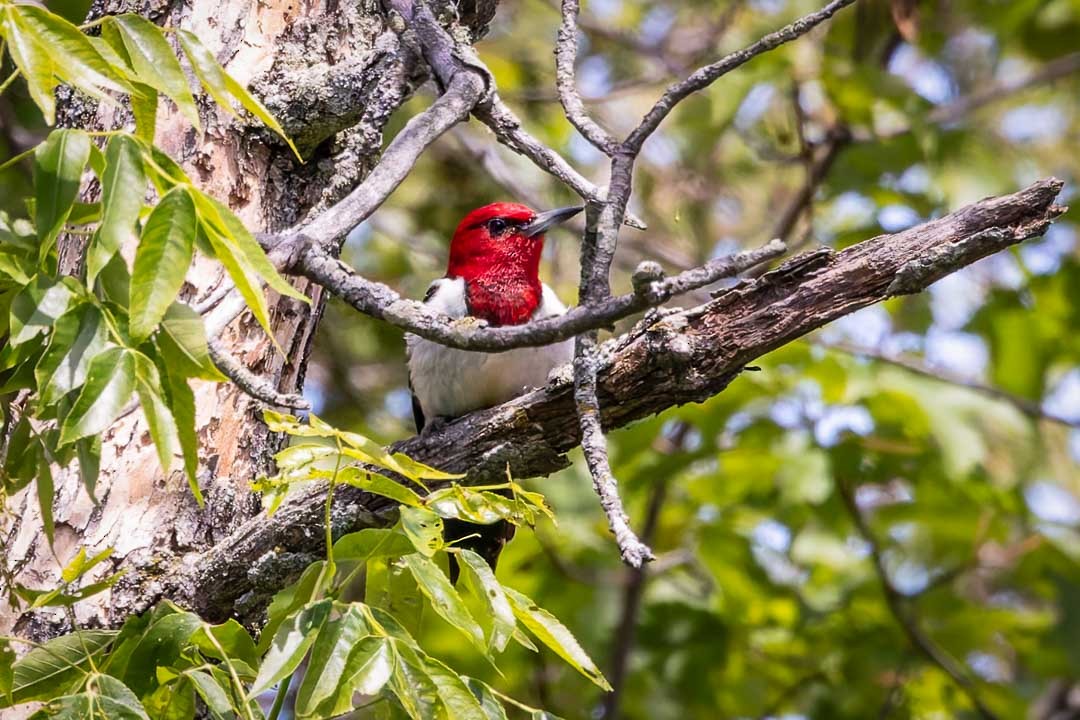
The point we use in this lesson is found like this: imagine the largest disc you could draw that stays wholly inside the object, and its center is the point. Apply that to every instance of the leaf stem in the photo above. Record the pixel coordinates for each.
(17, 158)
(240, 693)
(7, 81)
(279, 698)
(329, 503)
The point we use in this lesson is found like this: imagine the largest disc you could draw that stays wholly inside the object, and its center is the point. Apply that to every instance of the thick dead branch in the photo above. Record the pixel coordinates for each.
(685, 357)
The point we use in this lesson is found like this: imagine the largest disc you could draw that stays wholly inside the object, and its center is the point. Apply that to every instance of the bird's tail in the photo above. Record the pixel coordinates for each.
(487, 541)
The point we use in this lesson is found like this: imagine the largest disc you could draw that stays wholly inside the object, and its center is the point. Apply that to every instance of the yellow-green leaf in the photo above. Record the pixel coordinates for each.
(33, 60)
(223, 88)
(548, 630)
(75, 59)
(154, 62)
(444, 598)
(357, 477)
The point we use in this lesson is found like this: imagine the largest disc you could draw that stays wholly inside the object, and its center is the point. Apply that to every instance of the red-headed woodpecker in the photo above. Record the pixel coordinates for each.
(493, 275)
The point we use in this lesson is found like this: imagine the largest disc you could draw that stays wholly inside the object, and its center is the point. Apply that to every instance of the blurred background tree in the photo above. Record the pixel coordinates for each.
(884, 521)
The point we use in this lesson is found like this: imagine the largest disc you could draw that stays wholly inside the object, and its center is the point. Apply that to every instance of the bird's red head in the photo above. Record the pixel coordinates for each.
(496, 251)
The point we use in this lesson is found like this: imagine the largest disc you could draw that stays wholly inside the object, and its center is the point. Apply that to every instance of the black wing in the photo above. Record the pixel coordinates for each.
(417, 411)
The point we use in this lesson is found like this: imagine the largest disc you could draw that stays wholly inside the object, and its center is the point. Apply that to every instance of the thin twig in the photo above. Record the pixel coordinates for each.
(380, 301)
(508, 130)
(598, 248)
(1029, 407)
(903, 614)
(331, 226)
(255, 386)
(566, 48)
(625, 636)
(705, 76)
(1053, 70)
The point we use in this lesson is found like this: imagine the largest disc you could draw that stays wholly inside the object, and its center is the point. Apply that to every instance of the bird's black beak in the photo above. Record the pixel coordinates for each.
(544, 220)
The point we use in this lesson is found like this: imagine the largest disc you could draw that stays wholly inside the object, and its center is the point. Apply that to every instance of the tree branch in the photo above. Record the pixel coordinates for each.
(685, 357)
(1029, 407)
(904, 615)
(566, 47)
(380, 301)
(705, 76)
(254, 385)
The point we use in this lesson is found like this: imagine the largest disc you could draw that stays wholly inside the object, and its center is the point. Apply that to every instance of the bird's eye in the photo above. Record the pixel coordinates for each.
(496, 226)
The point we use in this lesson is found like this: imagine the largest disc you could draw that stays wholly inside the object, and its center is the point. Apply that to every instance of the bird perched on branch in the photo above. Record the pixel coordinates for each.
(492, 275)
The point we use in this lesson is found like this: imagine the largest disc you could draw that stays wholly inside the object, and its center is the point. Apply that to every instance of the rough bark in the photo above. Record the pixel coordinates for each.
(685, 356)
(148, 518)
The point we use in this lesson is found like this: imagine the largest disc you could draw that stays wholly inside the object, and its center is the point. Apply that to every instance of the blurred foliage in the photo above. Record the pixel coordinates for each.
(766, 600)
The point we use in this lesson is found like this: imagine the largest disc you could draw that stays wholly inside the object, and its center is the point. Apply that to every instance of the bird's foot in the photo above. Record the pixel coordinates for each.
(435, 424)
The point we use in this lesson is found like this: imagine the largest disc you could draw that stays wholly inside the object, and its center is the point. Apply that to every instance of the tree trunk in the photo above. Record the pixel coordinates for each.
(333, 73)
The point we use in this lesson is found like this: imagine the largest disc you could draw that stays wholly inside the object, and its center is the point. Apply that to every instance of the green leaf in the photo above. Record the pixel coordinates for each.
(250, 289)
(53, 668)
(233, 639)
(36, 307)
(45, 492)
(114, 282)
(7, 670)
(124, 702)
(34, 61)
(182, 403)
(213, 694)
(413, 685)
(110, 380)
(58, 598)
(415, 470)
(548, 630)
(154, 62)
(481, 580)
(368, 543)
(219, 220)
(367, 670)
(480, 507)
(16, 267)
(163, 430)
(172, 701)
(444, 598)
(493, 709)
(291, 642)
(76, 60)
(456, 696)
(58, 168)
(79, 335)
(80, 565)
(184, 342)
(123, 186)
(144, 107)
(88, 452)
(379, 485)
(324, 687)
(315, 580)
(84, 213)
(223, 88)
(165, 251)
(424, 528)
(159, 646)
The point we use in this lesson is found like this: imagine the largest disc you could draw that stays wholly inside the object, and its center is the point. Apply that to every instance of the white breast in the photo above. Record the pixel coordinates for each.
(450, 383)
